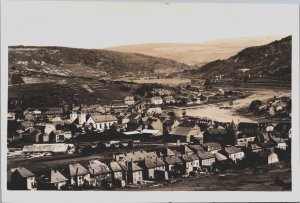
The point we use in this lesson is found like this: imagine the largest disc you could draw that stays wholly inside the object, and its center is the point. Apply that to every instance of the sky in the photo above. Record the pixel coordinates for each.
(102, 24)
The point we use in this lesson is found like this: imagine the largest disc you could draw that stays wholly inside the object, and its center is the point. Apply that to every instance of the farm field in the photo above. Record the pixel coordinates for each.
(234, 180)
(51, 91)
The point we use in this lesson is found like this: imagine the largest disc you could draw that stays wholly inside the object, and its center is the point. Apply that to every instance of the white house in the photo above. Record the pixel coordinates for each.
(78, 174)
(157, 100)
(101, 122)
(268, 157)
(234, 153)
(49, 127)
(23, 179)
(243, 139)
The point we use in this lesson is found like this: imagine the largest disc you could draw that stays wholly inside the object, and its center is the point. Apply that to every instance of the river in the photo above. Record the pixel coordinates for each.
(214, 112)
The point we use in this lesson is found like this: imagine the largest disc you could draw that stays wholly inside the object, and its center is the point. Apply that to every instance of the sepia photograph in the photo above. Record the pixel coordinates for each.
(149, 96)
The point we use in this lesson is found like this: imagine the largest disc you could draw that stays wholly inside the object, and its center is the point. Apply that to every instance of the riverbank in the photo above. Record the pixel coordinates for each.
(214, 112)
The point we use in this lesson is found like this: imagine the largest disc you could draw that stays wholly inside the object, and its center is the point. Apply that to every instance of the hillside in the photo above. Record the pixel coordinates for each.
(87, 62)
(271, 61)
(197, 53)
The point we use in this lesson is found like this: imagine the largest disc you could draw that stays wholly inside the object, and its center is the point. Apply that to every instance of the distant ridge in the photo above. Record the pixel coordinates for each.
(271, 61)
(88, 62)
(196, 53)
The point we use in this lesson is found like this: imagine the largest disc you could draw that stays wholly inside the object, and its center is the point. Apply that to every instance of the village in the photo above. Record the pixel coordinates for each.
(140, 143)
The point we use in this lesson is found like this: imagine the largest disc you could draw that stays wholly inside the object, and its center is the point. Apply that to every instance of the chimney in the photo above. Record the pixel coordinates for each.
(93, 171)
(76, 171)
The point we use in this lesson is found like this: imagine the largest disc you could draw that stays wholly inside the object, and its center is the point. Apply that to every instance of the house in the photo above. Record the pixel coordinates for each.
(242, 139)
(169, 100)
(216, 134)
(212, 147)
(191, 163)
(185, 134)
(220, 157)
(266, 157)
(99, 172)
(184, 149)
(129, 100)
(53, 179)
(196, 148)
(101, 122)
(23, 179)
(166, 152)
(57, 120)
(250, 129)
(49, 127)
(254, 147)
(174, 165)
(135, 173)
(118, 173)
(265, 142)
(78, 175)
(134, 156)
(156, 100)
(233, 153)
(59, 136)
(54, 111)
(206, 159)
(151, 167)
(280, 143)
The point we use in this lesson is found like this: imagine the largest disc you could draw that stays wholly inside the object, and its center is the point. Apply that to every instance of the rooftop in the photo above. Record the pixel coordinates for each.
(77, 169)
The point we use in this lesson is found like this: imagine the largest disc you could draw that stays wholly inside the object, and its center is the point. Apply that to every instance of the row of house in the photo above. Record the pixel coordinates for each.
(133, 168)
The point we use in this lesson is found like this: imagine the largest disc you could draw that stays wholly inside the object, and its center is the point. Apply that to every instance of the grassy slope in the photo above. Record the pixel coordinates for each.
(87, 62)
(272, 61)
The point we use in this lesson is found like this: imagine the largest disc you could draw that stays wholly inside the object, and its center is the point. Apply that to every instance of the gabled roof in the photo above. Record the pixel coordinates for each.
(213, 145)
(220, 157)
(205, 155)
(134, 167)
(129, 98)
(96, 168)
(196, 148)
(77, 169)
(179, 130)
(171, 160)
(98, 118)
(232, 150)
(156, 97)
(184, 149)
(168, 152)
(153, 162)
(115, 166)
(189, 158)
(24, 172)
(56, 177)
